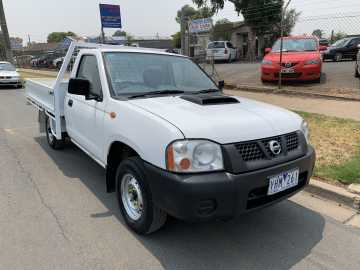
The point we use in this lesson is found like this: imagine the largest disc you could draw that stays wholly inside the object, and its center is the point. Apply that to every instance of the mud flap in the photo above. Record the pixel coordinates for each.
(110, 179)
(42, 122)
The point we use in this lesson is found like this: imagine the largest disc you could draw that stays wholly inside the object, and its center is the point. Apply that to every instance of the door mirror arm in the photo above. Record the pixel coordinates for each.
(95, 97)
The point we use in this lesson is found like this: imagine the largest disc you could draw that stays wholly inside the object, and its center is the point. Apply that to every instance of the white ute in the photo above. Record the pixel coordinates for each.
(171, 141)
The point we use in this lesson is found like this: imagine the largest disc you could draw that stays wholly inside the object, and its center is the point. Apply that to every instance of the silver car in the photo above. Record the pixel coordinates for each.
(9, 76)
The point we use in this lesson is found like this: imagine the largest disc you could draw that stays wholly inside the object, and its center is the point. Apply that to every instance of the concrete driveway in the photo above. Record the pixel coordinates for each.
(335, 75)
(55, 214)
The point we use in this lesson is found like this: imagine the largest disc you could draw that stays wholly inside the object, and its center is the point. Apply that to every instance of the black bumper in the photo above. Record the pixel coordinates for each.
(221, 195)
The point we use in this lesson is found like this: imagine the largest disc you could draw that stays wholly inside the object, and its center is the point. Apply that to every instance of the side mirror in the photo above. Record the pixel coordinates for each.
(267, 50)
(80, 87)
(221, 85)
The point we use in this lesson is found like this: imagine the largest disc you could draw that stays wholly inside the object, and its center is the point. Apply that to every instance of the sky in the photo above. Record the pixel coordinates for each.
(147, 18)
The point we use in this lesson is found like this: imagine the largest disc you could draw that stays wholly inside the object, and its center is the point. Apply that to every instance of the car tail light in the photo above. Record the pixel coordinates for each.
(226, 51)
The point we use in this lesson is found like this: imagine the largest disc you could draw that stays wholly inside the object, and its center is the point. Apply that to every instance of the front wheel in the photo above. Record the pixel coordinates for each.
(135, 198)
(53, 142)
(357, 73)
(338, 57)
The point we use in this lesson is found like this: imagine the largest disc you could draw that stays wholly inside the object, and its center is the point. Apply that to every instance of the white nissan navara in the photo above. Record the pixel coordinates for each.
(171, 141)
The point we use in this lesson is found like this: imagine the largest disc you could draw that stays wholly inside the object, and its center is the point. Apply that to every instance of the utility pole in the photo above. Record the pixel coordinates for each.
(4, 29)
(283, 12)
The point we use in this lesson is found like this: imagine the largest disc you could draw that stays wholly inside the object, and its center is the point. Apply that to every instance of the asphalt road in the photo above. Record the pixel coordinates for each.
(335, 75)
(55, 214)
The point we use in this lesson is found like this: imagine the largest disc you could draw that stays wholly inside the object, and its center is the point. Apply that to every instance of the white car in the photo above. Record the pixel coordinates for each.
(221, 51)
(171, 141)
(9, 76)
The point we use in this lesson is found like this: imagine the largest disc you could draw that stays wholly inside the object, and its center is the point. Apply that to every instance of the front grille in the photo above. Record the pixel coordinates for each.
(260, 149)
(250, 151)
(289, 75)
(5, 77)
(289, 65)
(292, 142)
(267, 146)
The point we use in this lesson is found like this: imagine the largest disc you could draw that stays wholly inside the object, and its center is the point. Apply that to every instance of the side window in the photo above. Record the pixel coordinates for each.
(229, 45)
(89, 70)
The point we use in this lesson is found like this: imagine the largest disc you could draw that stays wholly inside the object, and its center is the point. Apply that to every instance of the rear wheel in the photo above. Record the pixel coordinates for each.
(135, 198)
(53, 142)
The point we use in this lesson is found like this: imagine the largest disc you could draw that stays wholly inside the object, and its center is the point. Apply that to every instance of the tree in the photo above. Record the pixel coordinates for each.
(192, 13)
(59, 36)
(318, 33)
(223, 30)
(337, 36)
(263, 17)
(176, 40)
(120, 33)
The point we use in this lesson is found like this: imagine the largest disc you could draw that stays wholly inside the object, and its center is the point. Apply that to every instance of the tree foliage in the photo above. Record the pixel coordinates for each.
(318, 33)
(192, 13)
(176, 39)
(120, 33)
(222, 30)
(337, 36)
(59, 36)
(263, 16)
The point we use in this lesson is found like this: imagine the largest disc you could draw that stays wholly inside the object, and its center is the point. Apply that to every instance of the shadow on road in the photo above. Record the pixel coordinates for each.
(274, 238)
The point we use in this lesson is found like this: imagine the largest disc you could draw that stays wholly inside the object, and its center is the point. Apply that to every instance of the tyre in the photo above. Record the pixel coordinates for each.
(58, 65)
(338, 57)
(135, 198)
(51, 139)
(357, 74)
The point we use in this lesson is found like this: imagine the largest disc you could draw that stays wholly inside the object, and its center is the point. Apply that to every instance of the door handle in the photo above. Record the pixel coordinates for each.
(70, 102)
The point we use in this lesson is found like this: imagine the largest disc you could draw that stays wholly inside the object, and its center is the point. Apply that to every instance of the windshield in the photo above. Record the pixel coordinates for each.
(134, 73)
(7, 67)
(296, 45)
(216, 45)
(341, 42)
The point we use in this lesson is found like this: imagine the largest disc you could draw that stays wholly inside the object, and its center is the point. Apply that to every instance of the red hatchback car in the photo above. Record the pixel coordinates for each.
(301, 60)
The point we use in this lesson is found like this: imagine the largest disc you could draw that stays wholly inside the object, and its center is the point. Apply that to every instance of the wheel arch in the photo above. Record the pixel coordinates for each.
(117, 152)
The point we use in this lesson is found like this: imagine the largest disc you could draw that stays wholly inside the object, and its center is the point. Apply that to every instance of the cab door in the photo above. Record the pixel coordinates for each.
(86, 116)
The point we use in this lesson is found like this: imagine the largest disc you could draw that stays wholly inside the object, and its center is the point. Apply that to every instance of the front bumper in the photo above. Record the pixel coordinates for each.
(221, 195)
(303, 73)
(10, 82)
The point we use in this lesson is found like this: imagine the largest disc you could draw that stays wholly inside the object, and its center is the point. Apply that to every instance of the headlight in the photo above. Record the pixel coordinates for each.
(305, 131)
(16, 77)
(266, 62)
(194, 156)
(312, 62)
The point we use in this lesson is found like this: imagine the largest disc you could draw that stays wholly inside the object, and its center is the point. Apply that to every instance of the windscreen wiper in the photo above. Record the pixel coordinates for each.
(153, 93)
(205, 91)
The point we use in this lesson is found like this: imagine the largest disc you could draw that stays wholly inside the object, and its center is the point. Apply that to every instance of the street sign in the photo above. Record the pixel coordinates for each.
(110, 16)
(200, 25)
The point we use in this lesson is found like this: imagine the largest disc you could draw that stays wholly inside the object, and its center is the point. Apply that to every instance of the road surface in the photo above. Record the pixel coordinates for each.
(55, 214)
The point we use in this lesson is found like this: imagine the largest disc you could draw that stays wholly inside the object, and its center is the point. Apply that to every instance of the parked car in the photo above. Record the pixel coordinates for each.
(57, 63)
(171, 141)
(357, 64)
(9, 76)
(301, 60)
(221, 51)
(343, 49)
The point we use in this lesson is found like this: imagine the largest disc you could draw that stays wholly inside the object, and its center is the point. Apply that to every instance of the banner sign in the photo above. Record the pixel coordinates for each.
(110, 16)
(200, 25)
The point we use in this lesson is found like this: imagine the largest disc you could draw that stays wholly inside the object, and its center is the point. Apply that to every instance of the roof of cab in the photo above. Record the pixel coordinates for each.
(138, 50)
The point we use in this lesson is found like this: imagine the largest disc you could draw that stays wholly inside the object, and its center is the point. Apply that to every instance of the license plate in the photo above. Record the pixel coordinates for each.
(283, 181)
(287, 70)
